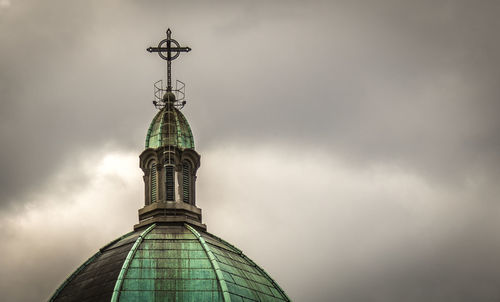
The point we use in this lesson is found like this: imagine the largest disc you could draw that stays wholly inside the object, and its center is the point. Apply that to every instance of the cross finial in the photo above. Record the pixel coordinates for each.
(168, 49)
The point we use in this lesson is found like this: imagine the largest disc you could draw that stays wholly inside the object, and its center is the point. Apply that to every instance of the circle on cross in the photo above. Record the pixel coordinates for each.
(168, 51)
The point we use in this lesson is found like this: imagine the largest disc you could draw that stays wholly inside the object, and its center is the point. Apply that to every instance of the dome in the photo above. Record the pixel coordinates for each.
(169, 263)
(169, 127)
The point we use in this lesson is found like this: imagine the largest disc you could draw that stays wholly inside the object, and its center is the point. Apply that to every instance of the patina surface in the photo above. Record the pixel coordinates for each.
(169, 128)
(170, 263)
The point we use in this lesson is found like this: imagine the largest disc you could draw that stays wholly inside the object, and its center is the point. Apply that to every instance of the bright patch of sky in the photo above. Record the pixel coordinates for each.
(277, 204)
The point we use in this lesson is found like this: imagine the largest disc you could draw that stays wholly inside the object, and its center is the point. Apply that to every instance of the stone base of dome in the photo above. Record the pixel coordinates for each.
(170, 213)
(169, 220)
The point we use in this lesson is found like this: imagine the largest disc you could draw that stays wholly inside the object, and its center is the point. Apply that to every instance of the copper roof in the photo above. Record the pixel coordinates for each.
(169, 127)
(169, 263)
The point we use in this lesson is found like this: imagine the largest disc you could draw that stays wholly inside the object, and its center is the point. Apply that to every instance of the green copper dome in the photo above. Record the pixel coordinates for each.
(169, 127)
(169, 263)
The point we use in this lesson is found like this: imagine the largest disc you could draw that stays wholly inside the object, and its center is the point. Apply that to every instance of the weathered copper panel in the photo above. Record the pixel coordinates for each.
(95, 281)
(169, 128)
(171, 263)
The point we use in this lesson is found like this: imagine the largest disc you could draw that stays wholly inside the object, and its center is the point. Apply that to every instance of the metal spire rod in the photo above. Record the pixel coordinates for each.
(169, 53)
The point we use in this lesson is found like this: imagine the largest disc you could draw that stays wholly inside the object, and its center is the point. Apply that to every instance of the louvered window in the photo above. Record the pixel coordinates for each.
(153, 183)
(169, 182)
(186, 181)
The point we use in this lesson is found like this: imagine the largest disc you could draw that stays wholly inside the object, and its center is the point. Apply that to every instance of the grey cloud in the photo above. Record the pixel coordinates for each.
(414, 86)
(411, 83)
(404, 83)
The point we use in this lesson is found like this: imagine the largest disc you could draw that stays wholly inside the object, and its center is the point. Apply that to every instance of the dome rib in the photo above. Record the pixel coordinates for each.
(260, 269)
(85, 265)
(150, 129)
(126, 263)
(76, 272)
(215, 265)
(178, 136)
(170, 265)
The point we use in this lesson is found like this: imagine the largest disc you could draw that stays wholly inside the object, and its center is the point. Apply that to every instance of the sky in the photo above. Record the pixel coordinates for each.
(350, 148)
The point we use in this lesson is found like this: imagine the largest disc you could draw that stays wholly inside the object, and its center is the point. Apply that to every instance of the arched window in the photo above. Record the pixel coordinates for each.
(169, 182)
(154, 182)
(170, 176)
(186, 181)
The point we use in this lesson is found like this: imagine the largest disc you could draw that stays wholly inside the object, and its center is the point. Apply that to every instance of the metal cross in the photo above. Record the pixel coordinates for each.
(169, 52)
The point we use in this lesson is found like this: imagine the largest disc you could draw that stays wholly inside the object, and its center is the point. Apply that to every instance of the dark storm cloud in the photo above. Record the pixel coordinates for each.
(61, 91)
(412, 83)
(33, 122)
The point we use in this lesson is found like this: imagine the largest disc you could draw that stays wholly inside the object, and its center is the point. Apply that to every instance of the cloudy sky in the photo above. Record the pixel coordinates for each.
(351, 148)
